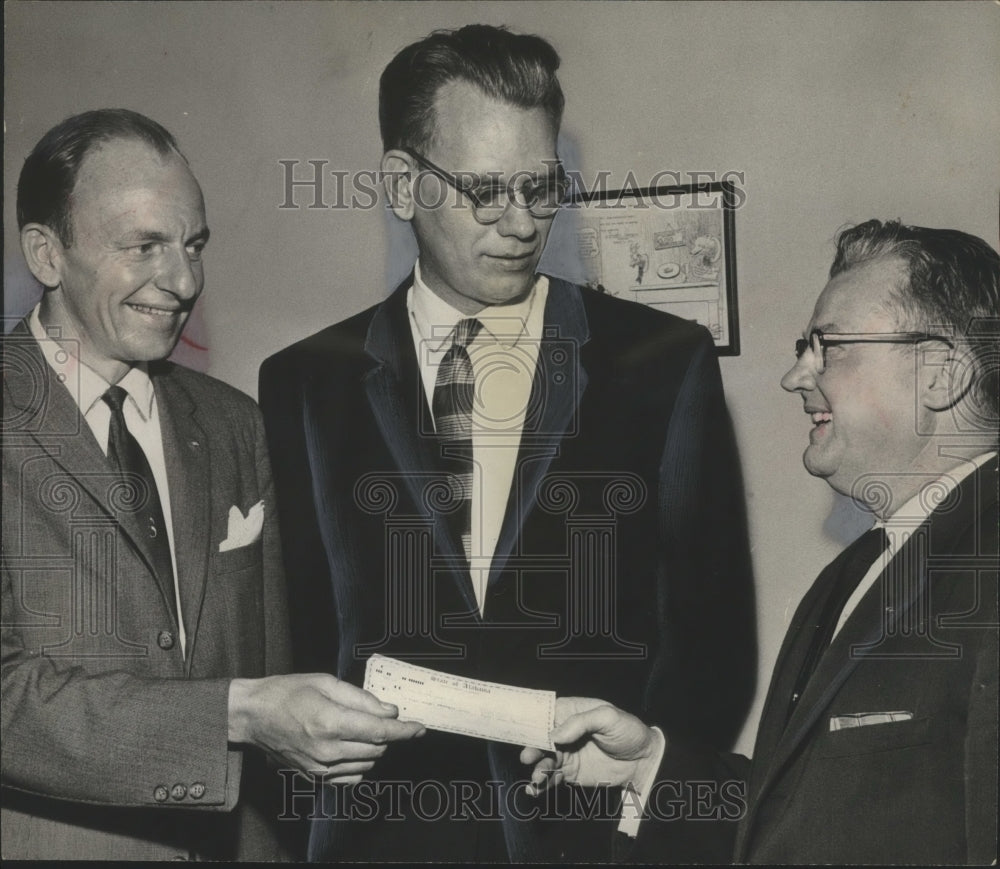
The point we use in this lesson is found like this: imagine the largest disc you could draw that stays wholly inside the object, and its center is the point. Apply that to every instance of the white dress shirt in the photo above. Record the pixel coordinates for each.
(903, 522)
(86, 387)
(503, 356)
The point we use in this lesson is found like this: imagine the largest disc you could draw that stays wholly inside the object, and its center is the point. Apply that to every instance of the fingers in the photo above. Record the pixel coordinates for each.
(353, 697)
(340, 773)
(334, 760)
(546, 773)
(343, 779)
(568, 706)
(544, 780)
(353, 768)
(529, 756)
(359, 707)
(338, 751)
(357, 736)
(599, 719)
(541, 776)
(313, 720)
(337, 771)
(350, 724)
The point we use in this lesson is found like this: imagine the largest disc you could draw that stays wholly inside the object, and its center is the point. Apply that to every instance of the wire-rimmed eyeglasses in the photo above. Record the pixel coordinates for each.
(818, 341)
(541, 197)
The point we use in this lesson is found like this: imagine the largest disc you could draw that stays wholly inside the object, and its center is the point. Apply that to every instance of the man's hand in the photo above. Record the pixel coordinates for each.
(315, 723)
(597, 744)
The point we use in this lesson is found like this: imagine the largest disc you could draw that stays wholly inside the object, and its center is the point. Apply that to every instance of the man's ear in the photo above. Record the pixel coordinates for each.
(42, 251)
(947, 383)
(398, 179)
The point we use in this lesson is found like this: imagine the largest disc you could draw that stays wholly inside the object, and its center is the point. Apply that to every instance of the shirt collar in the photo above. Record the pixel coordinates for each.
(506, 324)
(86, 387)
(930, 496)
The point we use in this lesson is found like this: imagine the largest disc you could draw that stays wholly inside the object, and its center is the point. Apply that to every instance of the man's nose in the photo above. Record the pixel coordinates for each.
(517, 222)
(180, 275)
(801, 376)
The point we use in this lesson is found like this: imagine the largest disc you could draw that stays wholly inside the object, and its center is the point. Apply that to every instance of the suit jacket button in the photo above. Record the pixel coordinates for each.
(161, 794)
(178, 792)
(165, 640)
(197, 790)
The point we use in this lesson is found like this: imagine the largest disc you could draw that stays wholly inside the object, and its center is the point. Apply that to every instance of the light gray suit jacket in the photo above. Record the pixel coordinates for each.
(112, 738)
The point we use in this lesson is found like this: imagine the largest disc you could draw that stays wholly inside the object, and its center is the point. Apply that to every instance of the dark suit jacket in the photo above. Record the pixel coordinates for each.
(923, 640)
(622, 568)
(110, 736)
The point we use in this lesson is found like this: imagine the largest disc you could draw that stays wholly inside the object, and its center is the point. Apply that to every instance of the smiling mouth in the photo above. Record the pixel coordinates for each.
(155, 312)
(820, 417)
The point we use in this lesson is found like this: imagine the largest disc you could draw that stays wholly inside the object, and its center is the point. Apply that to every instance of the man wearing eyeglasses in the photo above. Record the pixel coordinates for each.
(878, 740)
(500, 475)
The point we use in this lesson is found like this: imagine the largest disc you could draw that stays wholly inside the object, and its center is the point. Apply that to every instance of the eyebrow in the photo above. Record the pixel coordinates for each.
(147, 235)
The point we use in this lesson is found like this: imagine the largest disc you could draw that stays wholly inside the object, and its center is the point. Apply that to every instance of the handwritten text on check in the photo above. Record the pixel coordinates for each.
(441, 701)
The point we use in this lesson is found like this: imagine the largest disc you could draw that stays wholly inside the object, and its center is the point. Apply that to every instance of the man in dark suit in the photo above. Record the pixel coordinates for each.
(500, 475)
(143, 595)
(878, 739)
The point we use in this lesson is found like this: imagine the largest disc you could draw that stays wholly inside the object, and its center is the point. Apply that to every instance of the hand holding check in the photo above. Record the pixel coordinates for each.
(315, 723)
(597, 744)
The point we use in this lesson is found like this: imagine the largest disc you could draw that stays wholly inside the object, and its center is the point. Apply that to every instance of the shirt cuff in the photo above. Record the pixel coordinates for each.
(635, 794)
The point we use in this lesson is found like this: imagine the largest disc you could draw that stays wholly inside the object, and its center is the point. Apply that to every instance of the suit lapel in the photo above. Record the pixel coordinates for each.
(35, 402)
(396, 396)
(186, 454)
(558, 386)
(864, 630)
(774, 720)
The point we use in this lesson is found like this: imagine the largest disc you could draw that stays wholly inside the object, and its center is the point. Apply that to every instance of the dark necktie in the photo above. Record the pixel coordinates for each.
(854, 565)
(125, 455)
(454, 391)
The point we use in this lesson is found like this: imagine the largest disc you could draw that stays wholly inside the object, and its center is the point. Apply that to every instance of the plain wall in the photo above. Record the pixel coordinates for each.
(834, 112)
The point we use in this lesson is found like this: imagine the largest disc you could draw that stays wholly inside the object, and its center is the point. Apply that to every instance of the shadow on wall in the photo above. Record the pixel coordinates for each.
(846, 520)
(20, 291)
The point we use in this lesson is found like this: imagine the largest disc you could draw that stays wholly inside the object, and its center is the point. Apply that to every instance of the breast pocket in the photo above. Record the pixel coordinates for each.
(235, 598)
(238, 559)
(875, 738)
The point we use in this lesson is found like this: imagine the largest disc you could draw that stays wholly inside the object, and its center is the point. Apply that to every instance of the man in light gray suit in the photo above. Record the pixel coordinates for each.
(143, 597)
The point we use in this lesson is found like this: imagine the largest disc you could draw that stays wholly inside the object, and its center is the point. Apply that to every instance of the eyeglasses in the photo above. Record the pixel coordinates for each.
(489, 198)
(818, 341)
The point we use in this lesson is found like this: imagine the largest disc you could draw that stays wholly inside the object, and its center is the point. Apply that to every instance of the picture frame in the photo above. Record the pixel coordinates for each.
(672, 248)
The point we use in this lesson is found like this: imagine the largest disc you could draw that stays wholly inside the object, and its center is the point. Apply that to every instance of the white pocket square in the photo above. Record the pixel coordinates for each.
(243, 530)
(867, 719)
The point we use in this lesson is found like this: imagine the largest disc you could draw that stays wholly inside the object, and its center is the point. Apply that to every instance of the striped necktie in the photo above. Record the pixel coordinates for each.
(454, 392)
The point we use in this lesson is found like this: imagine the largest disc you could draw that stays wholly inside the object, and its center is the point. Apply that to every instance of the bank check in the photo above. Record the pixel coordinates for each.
(471, 707)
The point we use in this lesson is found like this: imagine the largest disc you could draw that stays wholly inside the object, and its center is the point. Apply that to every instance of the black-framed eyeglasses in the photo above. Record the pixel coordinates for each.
(818, 341)
(489, 198)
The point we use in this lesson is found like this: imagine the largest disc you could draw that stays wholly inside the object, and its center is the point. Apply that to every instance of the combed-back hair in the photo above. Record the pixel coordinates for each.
(49, 173)
(953, 281)
(518, 69)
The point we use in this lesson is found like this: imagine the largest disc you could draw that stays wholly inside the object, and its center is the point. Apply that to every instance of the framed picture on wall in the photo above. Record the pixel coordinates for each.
(672, 248)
